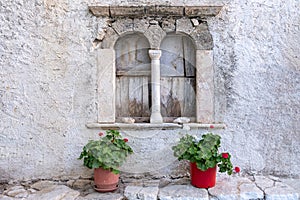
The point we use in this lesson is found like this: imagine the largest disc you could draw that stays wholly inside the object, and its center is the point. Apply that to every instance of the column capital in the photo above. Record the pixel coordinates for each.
(154, 54)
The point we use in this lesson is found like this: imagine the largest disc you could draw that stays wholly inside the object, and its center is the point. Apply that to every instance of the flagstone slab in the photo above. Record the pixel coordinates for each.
(57, 192)
(101, 196)
(182, 192)
(235, 188)
(142, 193)
(281, 191)
(43, 184)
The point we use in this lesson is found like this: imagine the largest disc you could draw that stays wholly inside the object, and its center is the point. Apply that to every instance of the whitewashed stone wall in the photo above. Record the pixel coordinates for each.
(48, 88)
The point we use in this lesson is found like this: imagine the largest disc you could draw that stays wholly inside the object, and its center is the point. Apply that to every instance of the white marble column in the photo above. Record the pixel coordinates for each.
(155, 117)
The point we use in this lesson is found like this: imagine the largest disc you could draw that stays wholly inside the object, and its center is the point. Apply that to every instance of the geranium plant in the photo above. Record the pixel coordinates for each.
(204, 152)
(109, 152)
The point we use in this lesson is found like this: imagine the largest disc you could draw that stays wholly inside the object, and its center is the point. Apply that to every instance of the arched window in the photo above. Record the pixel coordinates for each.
(178, 73)
(133, 95)
(152, 75)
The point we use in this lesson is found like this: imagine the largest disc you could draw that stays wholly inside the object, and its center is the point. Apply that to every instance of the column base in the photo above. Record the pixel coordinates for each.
(156, 118)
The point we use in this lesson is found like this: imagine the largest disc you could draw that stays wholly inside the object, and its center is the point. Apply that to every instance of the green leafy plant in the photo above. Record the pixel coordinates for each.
(109, 152)
(204, 152)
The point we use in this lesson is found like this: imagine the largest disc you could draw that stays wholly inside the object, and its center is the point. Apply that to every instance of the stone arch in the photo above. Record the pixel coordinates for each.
(155, 33)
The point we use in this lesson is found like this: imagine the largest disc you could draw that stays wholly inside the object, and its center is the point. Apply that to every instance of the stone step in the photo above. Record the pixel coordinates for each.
(227, 188)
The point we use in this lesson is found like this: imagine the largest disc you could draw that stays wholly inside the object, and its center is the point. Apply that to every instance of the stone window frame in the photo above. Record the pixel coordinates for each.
(155, 33)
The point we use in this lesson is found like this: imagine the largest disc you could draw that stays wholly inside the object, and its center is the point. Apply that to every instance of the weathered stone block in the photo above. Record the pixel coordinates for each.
(235, 188)
(140, 25)
(101, 34)
(17, 192)
(202, 37)
(195, 22)
(263, 182)
(155, 34)
(106, 85)
(99, 11)
(82, 183)
(250, 191)
(205, 86)
(123, 25)
(182, 120)
(168, 25)
(148, 193)
(281, 191)
(131, 192)
(2, 197)
(101, 196)
(165, 10)
(182, 192)
(138, 192)
(292, 182)
(193, 11)
(42, 184)
(184, 25)
(109, 39)
(55, 192)
(130, 11)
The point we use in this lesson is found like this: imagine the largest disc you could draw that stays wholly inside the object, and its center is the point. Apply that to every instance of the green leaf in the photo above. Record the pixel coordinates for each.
(109, 152)
(204, 152)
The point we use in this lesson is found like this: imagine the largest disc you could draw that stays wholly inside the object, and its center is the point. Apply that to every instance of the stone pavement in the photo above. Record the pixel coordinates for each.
(227, 188)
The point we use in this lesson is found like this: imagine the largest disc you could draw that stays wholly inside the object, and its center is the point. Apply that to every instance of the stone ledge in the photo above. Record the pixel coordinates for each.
(148, 126)
(155, 10)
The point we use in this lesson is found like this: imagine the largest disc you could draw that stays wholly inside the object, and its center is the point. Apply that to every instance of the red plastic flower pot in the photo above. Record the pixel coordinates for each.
(203, 179)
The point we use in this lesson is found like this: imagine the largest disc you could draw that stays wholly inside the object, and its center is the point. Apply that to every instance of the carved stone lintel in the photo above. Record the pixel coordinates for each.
(128, 11)
(155, 10)
(202, 11)
(160, 10)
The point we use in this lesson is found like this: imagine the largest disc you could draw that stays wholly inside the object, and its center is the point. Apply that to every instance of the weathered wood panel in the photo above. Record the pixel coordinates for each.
(132, 53)
(178, 56)
(172, 56)
(178, 97)
(189, 55)
(135, 87)
(146, 97)
(132, 97)
(122, 96)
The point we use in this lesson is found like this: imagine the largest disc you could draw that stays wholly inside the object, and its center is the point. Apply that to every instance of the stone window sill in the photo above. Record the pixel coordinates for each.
(148, 126)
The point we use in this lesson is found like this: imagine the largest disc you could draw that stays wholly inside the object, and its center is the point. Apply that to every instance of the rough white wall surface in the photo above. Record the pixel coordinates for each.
(48, 87)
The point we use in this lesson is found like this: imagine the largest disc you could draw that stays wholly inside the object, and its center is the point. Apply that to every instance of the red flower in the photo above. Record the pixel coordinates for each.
(125, 140)
(100, 134)
(211, 126)
(225, 155)
(237, 169)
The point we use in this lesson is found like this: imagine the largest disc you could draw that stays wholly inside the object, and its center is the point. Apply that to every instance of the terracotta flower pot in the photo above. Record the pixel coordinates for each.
(105, 180)
(203, 179)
